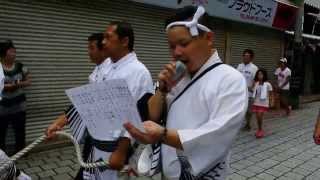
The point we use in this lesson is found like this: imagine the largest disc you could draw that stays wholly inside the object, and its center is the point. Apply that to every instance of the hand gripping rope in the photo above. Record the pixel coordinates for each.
(39, 140)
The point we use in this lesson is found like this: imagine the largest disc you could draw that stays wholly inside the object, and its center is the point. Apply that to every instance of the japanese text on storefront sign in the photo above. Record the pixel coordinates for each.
(259, 12)
(252, 10)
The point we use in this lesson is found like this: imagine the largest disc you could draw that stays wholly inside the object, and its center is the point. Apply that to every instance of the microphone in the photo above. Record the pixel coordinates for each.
(180, 70)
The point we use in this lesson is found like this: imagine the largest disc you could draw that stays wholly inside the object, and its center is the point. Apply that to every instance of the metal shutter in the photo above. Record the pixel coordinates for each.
(265, 42)
(51, 40)
(219, 37)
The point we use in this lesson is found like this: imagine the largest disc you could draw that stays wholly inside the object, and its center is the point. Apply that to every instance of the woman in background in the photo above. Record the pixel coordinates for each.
(13, 102)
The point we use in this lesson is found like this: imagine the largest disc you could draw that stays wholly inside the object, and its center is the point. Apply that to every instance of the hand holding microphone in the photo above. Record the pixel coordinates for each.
(170, 75)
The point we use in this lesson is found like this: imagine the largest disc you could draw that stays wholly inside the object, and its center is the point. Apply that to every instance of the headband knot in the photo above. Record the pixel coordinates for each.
(192, 25)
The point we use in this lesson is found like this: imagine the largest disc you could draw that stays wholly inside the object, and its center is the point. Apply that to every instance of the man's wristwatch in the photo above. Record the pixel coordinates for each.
(157, 88)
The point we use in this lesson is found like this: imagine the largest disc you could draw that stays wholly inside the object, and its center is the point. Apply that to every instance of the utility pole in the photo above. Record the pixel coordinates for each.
(299, 24)
(297, 66)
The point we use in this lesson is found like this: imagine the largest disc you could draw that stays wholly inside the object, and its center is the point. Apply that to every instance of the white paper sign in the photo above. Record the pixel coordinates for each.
(104, 107)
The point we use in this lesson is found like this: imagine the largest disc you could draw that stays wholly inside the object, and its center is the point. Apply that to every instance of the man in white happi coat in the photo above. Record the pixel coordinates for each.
(204, 110)
(99, 58)
(122, 63)
(248, 70)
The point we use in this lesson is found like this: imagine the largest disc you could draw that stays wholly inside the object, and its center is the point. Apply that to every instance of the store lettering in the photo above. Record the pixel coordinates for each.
(252, 9)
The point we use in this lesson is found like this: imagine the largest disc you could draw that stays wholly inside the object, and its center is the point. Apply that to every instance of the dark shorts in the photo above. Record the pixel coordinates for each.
(284, 96)
(284, 93)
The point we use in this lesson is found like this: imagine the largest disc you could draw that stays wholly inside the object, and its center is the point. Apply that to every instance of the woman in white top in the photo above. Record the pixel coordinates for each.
(261, 93)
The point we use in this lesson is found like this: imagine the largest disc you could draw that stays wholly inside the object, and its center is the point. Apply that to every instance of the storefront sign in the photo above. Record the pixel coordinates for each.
(260, 12)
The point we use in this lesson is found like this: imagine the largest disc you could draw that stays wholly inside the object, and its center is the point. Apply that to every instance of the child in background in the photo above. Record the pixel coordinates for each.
(261, 92)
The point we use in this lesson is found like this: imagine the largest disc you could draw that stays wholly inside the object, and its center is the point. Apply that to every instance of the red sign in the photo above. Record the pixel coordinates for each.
(285, 16)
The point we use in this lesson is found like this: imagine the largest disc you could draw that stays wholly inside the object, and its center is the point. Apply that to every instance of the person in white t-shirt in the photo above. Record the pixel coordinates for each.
(262, 90)
(283, 74)
(248, 70)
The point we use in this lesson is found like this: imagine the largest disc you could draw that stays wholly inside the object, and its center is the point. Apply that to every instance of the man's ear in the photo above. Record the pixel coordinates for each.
(210, 38)
(125, 42)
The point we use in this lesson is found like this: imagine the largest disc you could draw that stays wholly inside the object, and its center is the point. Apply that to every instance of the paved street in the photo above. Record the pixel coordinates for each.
(287, 153)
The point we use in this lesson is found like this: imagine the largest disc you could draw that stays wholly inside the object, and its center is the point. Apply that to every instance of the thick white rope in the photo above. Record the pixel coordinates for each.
(41, 139)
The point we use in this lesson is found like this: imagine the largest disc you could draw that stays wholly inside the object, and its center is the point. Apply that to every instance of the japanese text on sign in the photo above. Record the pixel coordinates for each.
(252, 10)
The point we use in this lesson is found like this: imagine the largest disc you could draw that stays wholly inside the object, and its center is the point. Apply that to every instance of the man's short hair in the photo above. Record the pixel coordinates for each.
(249, 51)
(185, 14)
(124, 29)
(97, 37)
(4, 46)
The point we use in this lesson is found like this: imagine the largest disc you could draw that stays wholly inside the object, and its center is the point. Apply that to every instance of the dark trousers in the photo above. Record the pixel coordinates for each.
(18, 122)
(79, 175)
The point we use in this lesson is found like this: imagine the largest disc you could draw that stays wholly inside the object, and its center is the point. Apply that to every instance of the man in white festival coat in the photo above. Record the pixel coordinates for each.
(202, 120)
(123, 64)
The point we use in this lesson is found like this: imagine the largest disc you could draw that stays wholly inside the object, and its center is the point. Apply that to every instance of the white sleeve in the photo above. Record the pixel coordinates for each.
(212, 140)
(288, 72)
(239, 67)
(255, 69)
(140, 84)
(1, 80)
(277, 72)
(269, 87)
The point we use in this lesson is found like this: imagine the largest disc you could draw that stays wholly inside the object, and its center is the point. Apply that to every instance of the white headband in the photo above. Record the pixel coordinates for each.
(193, 25)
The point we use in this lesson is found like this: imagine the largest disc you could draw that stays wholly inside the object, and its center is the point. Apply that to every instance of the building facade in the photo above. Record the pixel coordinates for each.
(51, 40)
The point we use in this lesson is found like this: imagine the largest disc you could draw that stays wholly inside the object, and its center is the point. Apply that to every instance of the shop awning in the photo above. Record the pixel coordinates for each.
(313, 3)
(315, 15)
(308, 36)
